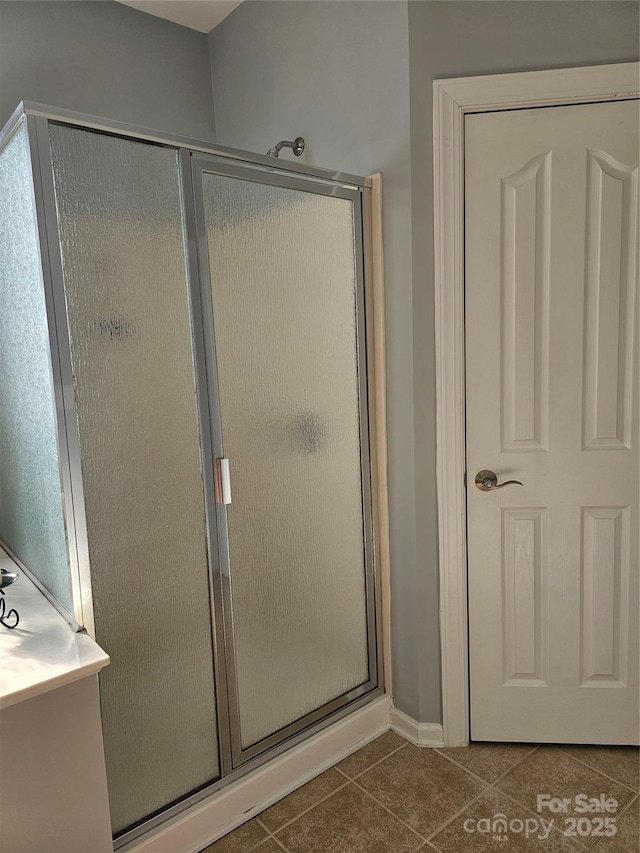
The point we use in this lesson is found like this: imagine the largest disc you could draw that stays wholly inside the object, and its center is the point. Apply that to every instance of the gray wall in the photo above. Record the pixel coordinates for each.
(337, 74)
(106, 59)
(355, 79)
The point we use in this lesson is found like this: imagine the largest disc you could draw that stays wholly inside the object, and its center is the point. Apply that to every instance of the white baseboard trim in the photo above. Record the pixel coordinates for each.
(212, 818)
(419, 734)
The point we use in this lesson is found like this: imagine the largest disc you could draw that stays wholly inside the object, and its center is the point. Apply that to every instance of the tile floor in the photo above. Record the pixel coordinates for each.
(391, 797)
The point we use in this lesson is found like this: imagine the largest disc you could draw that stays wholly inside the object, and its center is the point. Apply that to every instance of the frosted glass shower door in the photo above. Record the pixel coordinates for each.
(120, 223)
(284, 259)
(32, 518)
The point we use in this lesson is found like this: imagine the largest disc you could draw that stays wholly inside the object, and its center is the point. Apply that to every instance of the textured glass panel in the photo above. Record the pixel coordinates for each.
(31, 516)
(284, 300)
(127, 302)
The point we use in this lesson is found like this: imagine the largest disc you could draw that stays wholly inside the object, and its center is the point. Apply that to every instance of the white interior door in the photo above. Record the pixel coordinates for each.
(551, 234)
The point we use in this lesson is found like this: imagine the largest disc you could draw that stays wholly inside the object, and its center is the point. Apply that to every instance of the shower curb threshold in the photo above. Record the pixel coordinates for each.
(225, 810)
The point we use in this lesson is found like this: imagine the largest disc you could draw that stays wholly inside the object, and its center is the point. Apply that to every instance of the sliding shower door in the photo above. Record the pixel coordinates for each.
(281, 270)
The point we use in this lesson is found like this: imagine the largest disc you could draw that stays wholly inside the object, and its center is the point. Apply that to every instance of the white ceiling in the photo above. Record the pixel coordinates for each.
(202, 15)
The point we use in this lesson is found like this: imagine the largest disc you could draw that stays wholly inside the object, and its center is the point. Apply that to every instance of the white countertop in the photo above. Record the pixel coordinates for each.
(43, 652)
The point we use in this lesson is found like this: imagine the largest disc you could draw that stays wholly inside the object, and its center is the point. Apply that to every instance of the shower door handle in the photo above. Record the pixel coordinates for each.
(222, 479)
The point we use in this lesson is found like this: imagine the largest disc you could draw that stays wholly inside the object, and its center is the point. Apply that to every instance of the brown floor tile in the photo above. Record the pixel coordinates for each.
(420, 786)
(488, 760)
(241, 840)
(348, 822)
(268, 846)
(423, 788)
(549, 771)
(627, 837)
(302, 799)
(467, 831)
(618, 762)
(379, 748)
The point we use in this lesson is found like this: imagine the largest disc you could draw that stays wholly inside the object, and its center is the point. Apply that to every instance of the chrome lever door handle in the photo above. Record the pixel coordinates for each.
(487, 481)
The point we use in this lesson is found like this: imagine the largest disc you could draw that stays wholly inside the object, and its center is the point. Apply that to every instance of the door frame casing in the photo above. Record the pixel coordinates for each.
(453, 99)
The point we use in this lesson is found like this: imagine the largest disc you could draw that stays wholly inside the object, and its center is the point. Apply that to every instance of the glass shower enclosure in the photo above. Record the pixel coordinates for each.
(184, 420)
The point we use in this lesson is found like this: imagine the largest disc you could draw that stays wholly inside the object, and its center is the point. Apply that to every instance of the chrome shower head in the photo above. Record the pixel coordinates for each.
(297, 146)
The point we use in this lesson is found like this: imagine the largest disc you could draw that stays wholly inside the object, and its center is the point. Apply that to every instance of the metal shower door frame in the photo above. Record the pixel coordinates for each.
(61, 374)
(196, 165)
(256, 167)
